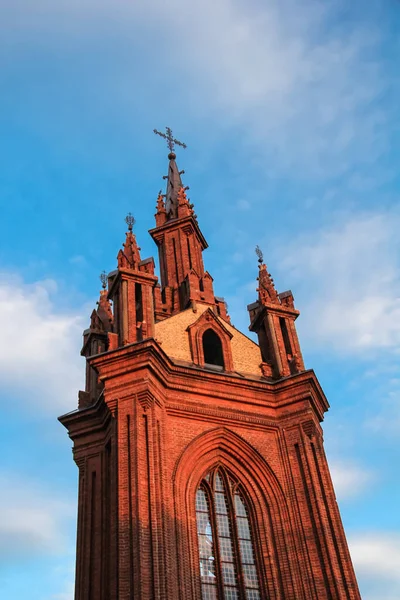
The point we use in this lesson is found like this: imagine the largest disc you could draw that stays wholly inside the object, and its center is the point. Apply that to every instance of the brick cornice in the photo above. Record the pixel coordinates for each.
(158, 232)
(139, 276)
(91, 420)
(277, 309)
(232, 416)
(114, 366)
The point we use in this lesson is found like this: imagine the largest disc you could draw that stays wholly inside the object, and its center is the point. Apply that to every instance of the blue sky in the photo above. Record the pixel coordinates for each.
(289, 109)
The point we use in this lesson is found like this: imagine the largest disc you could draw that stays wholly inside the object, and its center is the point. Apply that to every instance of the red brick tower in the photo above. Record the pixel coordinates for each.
(202, 473)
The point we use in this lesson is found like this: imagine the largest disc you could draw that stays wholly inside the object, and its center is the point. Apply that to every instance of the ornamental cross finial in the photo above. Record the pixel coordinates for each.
(130, 221)
(103, 279)
(259, 254)
(171, 141)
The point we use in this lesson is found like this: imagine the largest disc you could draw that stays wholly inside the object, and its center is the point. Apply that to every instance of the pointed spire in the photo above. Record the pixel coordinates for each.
(102, 318)
(95, 322)
(160, 203)
(174, 184)
(266, 290)
(174, 181)
(104, 310)
(184, 208)
(129, 257)
(161, 214)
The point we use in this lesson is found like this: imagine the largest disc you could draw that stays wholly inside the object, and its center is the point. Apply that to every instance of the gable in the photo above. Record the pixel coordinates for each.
(173, 336)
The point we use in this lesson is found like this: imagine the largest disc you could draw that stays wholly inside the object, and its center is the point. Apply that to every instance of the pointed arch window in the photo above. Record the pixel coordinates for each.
(228, 569)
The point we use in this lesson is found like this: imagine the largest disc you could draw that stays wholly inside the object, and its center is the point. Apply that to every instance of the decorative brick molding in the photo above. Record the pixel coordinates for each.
(145, 399)
(309, 428)
(112, 404)
(267, 370)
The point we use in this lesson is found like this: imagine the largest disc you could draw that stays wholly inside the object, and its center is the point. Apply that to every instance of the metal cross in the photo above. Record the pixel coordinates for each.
(104, 279)
(171, 141)
(259, 254)
(130, 221)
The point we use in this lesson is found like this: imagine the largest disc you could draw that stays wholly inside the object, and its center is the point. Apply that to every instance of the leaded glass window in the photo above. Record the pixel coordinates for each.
(228, 569)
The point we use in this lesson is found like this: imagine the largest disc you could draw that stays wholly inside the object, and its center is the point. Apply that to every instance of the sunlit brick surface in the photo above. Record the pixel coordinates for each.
(202, 473)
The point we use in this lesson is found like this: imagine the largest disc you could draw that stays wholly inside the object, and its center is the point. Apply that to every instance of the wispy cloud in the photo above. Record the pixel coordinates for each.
(350, 480)
(346, 279)
(376, 558)
(302, 89)
(78, 260)
(349, 272)
(243, 204)
(33, 519)
(39, 354)
(386, 415)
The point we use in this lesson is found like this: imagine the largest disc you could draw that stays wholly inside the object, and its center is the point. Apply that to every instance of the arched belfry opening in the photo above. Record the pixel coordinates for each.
(212, 349)
(227, 556)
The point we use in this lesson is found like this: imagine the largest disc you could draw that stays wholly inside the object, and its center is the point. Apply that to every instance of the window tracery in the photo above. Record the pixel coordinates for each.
(228, 569)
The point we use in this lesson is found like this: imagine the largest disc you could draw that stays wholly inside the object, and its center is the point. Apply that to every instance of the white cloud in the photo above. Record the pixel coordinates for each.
(376, 559)
(346, 281)
(33, 520)
(301, 84)
(39, 353)
(304, 89)
(349, 480)
(377, 554)
(349, 277)
(386, 414)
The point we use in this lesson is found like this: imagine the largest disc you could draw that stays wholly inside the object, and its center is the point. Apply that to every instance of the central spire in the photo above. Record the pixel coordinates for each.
(174, 181)
(180, 244)
(174, 184)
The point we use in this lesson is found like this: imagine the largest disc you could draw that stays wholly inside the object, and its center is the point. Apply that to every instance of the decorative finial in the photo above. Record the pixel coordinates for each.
(130, 221)
(259, 254)
(104, 279)
(171, 141)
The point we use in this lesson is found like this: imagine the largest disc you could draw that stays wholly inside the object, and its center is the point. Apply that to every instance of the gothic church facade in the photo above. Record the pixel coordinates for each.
(202, 472)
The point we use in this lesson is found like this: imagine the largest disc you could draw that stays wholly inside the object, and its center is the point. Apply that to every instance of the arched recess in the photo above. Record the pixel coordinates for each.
(212, 348)
(266, 501)
(206, 322)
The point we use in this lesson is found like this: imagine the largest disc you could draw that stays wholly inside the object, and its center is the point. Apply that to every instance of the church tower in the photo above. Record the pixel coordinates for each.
(202, 472)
